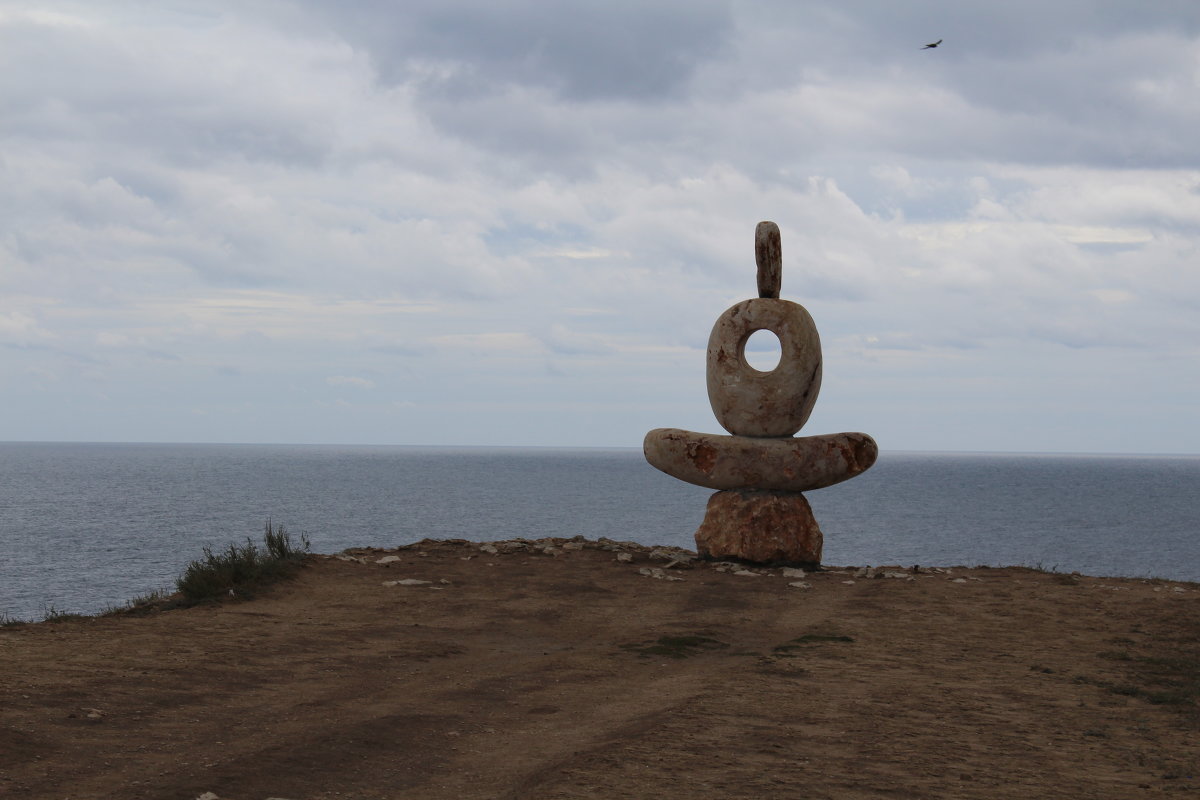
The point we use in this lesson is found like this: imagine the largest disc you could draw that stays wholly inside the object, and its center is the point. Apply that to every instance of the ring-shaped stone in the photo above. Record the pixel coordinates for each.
(747, 401)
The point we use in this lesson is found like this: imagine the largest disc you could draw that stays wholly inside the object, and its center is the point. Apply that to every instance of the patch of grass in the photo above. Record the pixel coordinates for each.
(802, 642)
(157, 600)
(810, 638)
(1172, 680)
(676, 646)
(53, 615)
(241, 570)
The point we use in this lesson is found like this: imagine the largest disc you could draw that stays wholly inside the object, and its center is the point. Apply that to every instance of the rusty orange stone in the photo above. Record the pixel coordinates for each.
(761, 527)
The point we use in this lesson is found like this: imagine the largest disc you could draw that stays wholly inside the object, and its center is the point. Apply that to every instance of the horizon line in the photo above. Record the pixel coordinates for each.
(897, 451)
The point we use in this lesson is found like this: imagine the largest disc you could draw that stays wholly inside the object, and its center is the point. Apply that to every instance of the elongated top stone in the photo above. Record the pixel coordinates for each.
(768, 255)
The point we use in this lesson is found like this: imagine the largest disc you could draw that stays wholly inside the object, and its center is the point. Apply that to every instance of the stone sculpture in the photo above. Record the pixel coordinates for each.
(759, 513)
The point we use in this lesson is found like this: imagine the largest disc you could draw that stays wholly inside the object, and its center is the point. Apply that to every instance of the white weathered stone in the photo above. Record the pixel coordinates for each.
(800, 585)
(792, 572)
(624, 558)
(489, 549)
(407, 582)
(747, 401)
(387, 560)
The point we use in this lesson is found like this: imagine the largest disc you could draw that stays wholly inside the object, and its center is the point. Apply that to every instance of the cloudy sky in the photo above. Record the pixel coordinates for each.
(515, 221)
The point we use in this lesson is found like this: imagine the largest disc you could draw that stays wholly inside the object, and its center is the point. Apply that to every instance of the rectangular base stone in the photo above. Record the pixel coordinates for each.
(762, 527)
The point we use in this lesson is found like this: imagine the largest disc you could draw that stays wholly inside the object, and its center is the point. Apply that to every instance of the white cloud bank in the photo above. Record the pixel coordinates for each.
(515, 224)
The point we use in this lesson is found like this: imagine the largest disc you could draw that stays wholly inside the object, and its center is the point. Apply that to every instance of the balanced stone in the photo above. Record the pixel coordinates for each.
(759, 514)
(740, 462)
(763, 527)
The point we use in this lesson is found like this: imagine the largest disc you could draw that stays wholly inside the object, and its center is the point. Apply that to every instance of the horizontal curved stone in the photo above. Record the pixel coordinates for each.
(783, 464)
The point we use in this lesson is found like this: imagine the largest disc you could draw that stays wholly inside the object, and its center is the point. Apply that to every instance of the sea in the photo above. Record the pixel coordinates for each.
(87, 527)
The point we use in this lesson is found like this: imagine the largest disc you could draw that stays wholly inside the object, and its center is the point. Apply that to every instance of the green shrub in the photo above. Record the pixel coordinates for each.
(240, 570)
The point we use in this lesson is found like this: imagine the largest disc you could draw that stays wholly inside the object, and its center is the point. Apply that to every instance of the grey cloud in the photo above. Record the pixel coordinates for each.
(81, 84)
(560, 88)
(580, 50)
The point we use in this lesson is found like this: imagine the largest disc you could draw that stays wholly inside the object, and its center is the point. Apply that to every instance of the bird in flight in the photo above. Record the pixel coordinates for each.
(931, 46)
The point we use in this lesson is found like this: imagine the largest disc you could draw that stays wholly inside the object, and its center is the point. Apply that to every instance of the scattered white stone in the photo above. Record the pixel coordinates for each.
(407, 582)
(444, 582)
(658, 574)
(624, 558)
(676, 554)
(749, 573)
(792, 572)
(551, 551)
(572, 546)
(800, 585)
(906, 576)
(489, 549)
(848, 583)
(354, 559)
(388, 559)
(958, 580)
(207, 796)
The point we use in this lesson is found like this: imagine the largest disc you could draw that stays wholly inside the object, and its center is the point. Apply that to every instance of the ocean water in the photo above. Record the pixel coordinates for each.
(87, 526)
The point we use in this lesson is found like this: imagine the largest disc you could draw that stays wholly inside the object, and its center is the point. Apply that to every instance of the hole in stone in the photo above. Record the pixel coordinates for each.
(763, 351)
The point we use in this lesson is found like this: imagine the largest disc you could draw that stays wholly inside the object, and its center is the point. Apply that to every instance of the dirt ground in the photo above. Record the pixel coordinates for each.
(572, 674)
